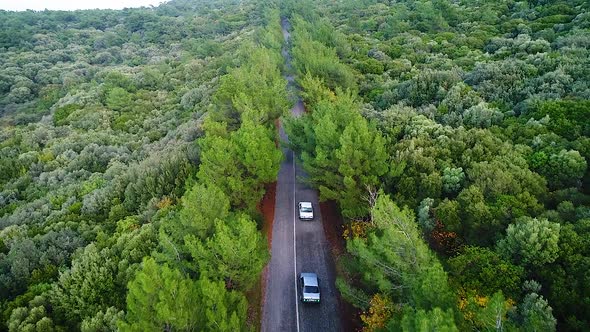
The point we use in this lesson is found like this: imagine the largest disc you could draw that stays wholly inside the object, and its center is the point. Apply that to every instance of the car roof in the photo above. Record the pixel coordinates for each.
(309, 279)
(305, 204)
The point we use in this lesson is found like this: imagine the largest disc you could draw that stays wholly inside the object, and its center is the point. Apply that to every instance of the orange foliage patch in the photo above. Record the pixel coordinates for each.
(380, 311)
(444, 241)
(355, 229)
(164, 202)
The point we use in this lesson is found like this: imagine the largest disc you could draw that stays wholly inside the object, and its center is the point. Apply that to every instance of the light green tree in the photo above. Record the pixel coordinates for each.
(536, 314)
(363, 160)
(531, 241)
(432, 320)
(396, 260)
(258, 154)
(222, 310)
(221, 167)
(103, 321)
(82, 291)
(494, 315)
(118, 99)
(201, 206)
(241, 164)
(161, 298)
(255, 91)
(236, 252)
(33, 318)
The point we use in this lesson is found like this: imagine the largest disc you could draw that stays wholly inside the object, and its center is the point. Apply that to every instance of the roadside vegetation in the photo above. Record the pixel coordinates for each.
(454, 137)
(134, 147)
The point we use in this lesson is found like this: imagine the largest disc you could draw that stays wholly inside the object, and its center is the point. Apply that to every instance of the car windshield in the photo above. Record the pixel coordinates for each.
(305, 209)
(311, 289)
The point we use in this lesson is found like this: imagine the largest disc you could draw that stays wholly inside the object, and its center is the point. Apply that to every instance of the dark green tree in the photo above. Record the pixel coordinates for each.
(485, 272)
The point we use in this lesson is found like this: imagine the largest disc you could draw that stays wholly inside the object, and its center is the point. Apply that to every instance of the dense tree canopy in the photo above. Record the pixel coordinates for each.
(480, 115)
(117, 131)
(136, 144)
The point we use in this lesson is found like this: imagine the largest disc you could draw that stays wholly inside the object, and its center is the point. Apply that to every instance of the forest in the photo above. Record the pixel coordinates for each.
(122, 206)
(452, 135)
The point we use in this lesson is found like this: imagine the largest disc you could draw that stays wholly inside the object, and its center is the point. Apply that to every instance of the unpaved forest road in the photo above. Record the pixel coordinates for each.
(297, 246)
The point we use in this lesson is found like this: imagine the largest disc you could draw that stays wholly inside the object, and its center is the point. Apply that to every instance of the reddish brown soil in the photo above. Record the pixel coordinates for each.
(266, 207)
(333, 226)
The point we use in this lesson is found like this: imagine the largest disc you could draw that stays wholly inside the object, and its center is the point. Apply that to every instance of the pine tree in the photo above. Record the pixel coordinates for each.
(142, 299)
(397, 262)
(531, 242)
(236, 253)
(161, 298)
(259, 157)
(432, 320)
(223, 310)
(221, 167)
(241, 164)
(201, 206)
(362, 159)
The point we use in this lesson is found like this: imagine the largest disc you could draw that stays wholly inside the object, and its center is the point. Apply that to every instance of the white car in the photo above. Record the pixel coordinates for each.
(310, 288)
(305, 211)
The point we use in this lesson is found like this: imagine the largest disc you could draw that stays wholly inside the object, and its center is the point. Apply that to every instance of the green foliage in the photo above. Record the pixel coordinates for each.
(201, 206)
(536, 314)
(404, 273)
(531, 242)
(362, 160)
(81, 290)
(236, 253)
(32, 318)
(356, 297)
(103, 321)
(314, 90)
(432, 320)
(429, 86)
(425, 221)
(494, 315)
(343, 154)
(325, 64)
(61, 114)
(452, 179)
(567, 118)
(241, 164)
(565, 280)
(485, 272)
(562, 169)
(255, 91)
(98, 276)
(162, 298)
(159, 175)
(118, 99)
